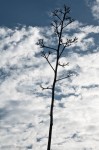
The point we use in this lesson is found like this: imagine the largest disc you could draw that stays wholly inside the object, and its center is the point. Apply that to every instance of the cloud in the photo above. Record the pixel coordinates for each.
(95, 9)
(94, 5)
(85, 34)
(24, 107)
(22, 66)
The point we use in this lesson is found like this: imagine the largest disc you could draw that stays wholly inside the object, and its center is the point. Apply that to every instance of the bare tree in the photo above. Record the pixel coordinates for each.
(61, 19)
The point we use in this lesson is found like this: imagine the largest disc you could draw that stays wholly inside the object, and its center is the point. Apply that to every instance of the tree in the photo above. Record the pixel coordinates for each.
(61, 19)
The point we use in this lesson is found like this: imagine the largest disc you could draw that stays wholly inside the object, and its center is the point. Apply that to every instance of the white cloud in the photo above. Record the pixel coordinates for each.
(94, 5)
(95, 9)
(24, 107)
(85, 35)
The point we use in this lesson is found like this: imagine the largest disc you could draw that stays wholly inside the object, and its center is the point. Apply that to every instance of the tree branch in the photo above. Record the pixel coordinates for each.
(62, 51)
(70, 21)
(63, 65)
(67, 44)
(64, 77)
(44, 55)
(45, 88)
(66, 10)
(42, 45)
(55, 14)
(49, 47)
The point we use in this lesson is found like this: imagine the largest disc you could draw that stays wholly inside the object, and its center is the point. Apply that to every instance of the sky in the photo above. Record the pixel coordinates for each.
(36, 12)
(24, 107)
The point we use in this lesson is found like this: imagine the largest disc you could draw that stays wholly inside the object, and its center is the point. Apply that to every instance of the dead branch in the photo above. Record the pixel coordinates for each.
(68, 43)
(64, 77)
(42, 45)
(63, 64)
(45, 88)
(46, 57)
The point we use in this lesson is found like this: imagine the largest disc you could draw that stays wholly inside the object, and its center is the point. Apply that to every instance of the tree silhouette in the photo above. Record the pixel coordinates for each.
(61, 19)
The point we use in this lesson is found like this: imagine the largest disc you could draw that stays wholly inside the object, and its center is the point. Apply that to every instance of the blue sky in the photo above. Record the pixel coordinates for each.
(35, 12)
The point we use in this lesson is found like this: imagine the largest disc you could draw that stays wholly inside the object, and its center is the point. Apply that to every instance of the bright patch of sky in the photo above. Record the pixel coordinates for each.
(24, 107)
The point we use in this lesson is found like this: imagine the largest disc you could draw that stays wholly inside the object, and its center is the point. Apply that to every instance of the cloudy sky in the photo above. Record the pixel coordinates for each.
(24, 107)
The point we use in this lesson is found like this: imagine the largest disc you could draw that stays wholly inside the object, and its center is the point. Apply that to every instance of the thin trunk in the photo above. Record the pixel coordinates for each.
(51, 109)
(53, 89)
(61, 21)
(51, 119)
(52, 102)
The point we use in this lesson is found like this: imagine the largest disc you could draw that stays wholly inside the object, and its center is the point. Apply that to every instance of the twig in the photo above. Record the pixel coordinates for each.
(45, 88)
(67, 44)
(64, 77)
(44, 55)
(49, 47)
(63, 65)
(55, 14)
